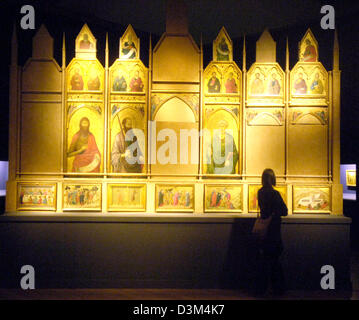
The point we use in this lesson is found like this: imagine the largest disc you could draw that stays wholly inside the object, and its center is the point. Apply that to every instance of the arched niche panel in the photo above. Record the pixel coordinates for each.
(221, 124)
(85, 140)
(124, 119)
(172, 119)
(175, 110)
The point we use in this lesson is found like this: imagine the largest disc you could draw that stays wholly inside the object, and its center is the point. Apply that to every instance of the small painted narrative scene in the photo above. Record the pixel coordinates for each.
(223, 198)
(174, 198)
(311, 199)
(127, 197)
(82, 196)
(36, 197)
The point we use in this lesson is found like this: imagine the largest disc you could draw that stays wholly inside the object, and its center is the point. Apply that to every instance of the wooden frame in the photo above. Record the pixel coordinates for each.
(230, 204)
(176, 203)
(43, 199)
(81, 196)
(126, 198)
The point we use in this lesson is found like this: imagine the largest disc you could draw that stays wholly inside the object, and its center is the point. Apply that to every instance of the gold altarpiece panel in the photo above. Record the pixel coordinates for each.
(265, 143)
(223, 47)
(174, 121)
(41, 138)
(221, 135)
(176, 58)
(127, 110)
(84, 149)
(190, 99)
(269, 116)
(221, 112)
(127, 120)
(129, 45)
(265, 85)
(85, 44)
(40, 109)
(222, 81)
(309, 84)
(308, 48)
(308, 141)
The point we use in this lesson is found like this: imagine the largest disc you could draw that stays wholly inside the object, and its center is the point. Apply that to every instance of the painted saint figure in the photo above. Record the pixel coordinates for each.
(274, 86)
(188, 199)
(85, 43)
(300, 85)
(220, 162)
(309, 54)
(136, 84)
(257, 85)
(84, 148)
(222, 51)
(231, 86)
(317, 85)
(121, 156)
(129, 49)
(160, 198)
(77, 82)
(119, 83)
(213, 84)
(93, 82)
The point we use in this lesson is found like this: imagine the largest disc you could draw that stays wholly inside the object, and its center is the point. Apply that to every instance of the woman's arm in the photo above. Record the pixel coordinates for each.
(281, 208)
(264, 204)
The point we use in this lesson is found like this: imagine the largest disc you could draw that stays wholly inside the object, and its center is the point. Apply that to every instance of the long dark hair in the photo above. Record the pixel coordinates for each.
(268, 178)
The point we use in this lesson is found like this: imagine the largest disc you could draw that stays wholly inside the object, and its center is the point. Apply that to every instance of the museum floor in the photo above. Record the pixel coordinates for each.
(182, 294)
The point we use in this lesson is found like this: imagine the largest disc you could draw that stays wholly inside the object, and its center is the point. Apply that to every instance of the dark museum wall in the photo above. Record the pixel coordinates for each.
(71, 21)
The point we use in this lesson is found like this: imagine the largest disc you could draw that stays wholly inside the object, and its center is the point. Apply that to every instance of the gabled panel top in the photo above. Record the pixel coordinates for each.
(42, 44)
(223, 47)
(308, 48)
(129, 45)
(266, 48)
(85, 45)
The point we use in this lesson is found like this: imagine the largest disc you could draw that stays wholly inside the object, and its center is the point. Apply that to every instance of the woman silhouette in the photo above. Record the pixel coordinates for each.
(270, 248)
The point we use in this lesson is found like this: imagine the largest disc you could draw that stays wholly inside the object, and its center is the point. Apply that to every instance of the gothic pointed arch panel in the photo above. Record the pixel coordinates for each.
(220, 137)
(222, 47)
(85, 44)
(174, 136)
(308, 48)
(127, 131)
(265, 117)
(300, 116)
(129, 45)
(84, 147)
(190, 100)
(175, 109)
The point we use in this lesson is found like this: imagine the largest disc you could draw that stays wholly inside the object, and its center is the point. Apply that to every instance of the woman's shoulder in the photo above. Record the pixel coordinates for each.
(264, 190)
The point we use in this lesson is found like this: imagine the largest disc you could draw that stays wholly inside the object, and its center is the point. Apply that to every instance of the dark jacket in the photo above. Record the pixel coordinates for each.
(271, 204)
